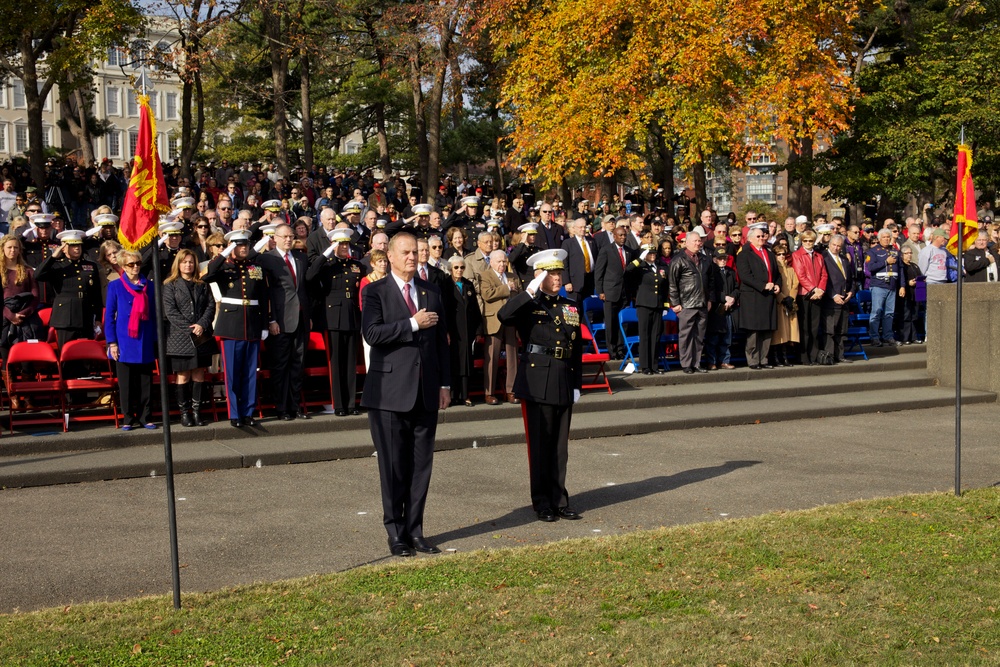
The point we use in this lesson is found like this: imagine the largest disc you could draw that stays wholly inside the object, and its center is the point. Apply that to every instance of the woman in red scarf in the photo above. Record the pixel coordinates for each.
(130, 329)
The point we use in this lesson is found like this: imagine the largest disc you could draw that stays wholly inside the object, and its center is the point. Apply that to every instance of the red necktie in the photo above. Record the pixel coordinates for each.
(291, 269)
(423, 273)
(763, 256)
(409, 301)
(621, 256)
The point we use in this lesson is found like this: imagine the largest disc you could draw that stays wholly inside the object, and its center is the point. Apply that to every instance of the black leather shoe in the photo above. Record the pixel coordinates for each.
(249, 421)
(236, 422)
(547, 516)
(288, 417)
(689, 371)
(755, 367)
(767, 366)
(340, 413)
(355, 412)
(699, 369)
(302, 414)
(400, 548)
(568, 514)
(423, 546)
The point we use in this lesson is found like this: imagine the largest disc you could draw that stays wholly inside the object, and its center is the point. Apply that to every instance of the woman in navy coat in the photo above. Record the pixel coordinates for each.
(464, 318)
(130, 329)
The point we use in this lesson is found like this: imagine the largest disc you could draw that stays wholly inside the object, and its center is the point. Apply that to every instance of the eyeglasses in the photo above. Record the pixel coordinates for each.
(751, 218)
(33, 210)
(131, 265)
(435, 247)
(224, 208)
(546, 210)
(458, 266)
(284, 236)
(203, 227)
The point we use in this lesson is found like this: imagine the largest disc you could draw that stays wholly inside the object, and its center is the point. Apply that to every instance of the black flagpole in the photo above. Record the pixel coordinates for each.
(958, 343)
(168, 455)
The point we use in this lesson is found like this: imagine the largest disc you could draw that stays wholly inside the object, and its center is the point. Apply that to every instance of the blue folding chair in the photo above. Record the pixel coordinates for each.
(628, 316)
(668, 338)
(593, 304)
(857, 325)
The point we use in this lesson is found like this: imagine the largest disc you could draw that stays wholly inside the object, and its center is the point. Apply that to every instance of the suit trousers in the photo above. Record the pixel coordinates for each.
(135, 382)
(691, 326)
(758, 345)
(650, 328)
(810, 316)
(548, 453)
(343, 347)
(286, 353)
(239, 363)
(404, 442)
(506, 339)
(834, 328)
(612, 332)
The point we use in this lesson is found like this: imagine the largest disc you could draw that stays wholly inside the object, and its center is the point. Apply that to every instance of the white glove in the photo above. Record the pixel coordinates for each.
(576, 395)
(261, 244)
(328, 253)
(264, 334)
(533, 286)
(29, 233)
(162, 242)
(229, 250)
(93, 231)
(97, 330)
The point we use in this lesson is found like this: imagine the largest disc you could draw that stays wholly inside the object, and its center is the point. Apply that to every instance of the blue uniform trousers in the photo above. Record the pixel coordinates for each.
(240, 359)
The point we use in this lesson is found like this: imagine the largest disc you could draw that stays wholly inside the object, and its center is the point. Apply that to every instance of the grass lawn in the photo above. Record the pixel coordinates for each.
(902, 581)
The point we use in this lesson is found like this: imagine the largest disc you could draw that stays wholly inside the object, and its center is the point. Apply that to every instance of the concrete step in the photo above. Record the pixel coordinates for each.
(624, 417)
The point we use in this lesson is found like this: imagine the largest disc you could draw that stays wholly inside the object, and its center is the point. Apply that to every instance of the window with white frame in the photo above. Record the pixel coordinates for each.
(133, 141)
(140, 53)
(3, 96)
(172, 148)
(131, 105)
(20, 101)
(154, 104)
(114, 143)
(46, 136)
(21, 138)
(116, 58)
(111, 104)
(171, 103)
(47, 102)
(3, 137)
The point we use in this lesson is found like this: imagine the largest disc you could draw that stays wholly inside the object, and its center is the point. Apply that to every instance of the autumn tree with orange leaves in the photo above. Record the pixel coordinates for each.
(593, 84)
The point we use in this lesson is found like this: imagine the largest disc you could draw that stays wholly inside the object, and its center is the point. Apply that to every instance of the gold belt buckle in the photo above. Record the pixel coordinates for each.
(559, 352)
(246, 302)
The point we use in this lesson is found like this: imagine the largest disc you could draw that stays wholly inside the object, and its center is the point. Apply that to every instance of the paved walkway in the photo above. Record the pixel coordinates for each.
(108, 540)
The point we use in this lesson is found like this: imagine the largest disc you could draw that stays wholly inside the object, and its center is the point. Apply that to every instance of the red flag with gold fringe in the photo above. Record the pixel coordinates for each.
(146, 196)
(965, 223)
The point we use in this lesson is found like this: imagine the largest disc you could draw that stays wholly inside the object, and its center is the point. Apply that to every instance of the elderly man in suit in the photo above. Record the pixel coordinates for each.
(840, 288)
(407, 383)
(609, 282)
(497, 285)
(289, 322)
(580, 259)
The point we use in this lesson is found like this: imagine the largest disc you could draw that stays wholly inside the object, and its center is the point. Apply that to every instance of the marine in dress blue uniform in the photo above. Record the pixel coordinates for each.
(243, 316)
(549, 379)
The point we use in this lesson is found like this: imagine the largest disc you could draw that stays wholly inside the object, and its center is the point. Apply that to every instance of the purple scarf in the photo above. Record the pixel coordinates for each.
(140, 306)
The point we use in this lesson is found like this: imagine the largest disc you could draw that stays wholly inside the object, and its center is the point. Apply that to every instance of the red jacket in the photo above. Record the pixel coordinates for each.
(811, 274)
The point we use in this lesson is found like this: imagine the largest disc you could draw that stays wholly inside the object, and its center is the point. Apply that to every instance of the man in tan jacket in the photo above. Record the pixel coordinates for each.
(496, 285)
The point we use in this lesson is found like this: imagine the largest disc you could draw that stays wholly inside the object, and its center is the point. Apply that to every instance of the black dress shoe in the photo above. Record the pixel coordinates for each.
(767, 366)
(569, 514)
(547, 516)
(340, 413)
(647, 371)
(423, 546)
(689, 371)
(755, 367)
(249, 421)
(400, 548)
(302, 414)
(699, 369)
(236, 422)
(355, 412)
(288, 417)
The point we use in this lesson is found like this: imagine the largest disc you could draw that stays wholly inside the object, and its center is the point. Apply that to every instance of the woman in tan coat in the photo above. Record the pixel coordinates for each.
(787, 332)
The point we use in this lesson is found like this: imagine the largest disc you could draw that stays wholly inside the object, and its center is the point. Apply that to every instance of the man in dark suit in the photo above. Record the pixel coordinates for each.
(550, 233)
(609, 282)
(580, 259)
(606, 235)
(289, 323)
(839, 289)
(407, 383)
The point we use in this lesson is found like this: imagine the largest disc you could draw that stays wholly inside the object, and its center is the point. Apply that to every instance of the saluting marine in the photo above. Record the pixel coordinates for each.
(243, 317)
(337, 280)
(76, 287)
(549, 379)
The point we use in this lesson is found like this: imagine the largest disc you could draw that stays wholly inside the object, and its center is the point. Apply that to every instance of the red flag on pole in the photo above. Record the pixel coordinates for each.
(965, 224)
(146, 197)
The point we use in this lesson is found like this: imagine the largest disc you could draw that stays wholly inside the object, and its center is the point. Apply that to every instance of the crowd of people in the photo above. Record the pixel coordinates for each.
(249, 257)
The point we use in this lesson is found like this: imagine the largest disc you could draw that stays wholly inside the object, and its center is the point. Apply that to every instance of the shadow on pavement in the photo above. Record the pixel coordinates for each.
(597, 498)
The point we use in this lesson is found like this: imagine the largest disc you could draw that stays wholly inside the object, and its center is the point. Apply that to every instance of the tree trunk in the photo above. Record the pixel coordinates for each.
(700, 194)
(76, 120)
(36, 153)
(799, 181)
(416, 88)
(307, 122)
(279, 78)
(663, 163)
(385, 164)
(187, 145)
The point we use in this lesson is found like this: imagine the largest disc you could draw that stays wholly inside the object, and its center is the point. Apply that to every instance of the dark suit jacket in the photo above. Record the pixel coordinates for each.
(837, 282)
(583, 282)
(550, 238)
(609, 274)
(404, 364)
(601, 239)
(289, 302)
